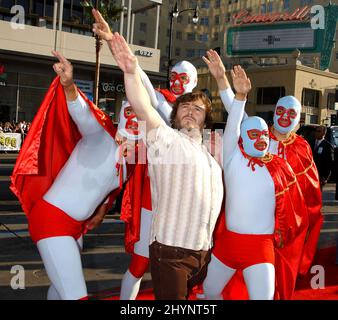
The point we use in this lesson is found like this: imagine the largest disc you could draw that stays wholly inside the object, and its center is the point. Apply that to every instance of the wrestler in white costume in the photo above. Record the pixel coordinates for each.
(245, 217)
(128, 133)
(82, 185)
(183, 79)
(287, 111)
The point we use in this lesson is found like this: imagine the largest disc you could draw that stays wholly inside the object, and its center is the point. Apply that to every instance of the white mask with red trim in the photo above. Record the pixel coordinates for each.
(287, 114)
(183, 78)
(128, 124)
(255, 137)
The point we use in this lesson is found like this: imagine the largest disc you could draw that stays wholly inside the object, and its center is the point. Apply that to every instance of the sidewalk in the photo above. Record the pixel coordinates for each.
(104, 259)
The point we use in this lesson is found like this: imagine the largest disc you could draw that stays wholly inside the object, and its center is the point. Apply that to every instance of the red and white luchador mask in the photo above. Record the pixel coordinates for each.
(255, 137)
(183, 78)
(128, 124)
(287, 114)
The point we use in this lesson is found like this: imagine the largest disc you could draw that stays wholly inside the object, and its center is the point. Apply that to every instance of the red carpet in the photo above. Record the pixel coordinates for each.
(325, 257)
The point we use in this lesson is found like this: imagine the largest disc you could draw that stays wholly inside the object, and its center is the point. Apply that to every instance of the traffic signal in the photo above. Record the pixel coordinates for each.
(333, 119)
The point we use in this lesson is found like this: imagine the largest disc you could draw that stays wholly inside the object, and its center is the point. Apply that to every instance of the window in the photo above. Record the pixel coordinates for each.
(201, 52)
(179, 35)
(192, 3)
(331, 99)
(286, 4)
(142, 43)
(191, 36)
(310, 98)
(270, 7)
(337, 55)
(227, 17)
(179, 19)
(313, 118)
(218, 4)
(203, 37)
(217, 19)
(143, 27)
(177, 52)
(204, 21)
(269, 95)
(205, 4)
(216, 36)
(190, 53)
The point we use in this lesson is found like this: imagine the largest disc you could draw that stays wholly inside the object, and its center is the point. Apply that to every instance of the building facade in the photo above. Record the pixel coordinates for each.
(26, 60)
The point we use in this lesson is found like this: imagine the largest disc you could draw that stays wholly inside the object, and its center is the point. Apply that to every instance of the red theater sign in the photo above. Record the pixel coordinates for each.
(244, 16)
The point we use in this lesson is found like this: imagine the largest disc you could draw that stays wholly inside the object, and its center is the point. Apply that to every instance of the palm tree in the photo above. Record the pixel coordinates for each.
(110, 12)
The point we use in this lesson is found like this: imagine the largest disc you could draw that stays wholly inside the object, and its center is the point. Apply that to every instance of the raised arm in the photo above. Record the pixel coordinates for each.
(102, 29)
(136, 93)
(231, 136)
(77, 107)
(218, 71)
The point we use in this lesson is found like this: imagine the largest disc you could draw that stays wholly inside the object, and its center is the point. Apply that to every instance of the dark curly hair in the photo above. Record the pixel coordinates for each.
(191, 97)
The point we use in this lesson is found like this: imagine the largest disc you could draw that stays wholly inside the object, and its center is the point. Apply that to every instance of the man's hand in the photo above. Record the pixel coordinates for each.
(97, 218)
(215, 64)
(101, 27)
(242, 83)
(124, 57)
(217, 69)
(64, 69)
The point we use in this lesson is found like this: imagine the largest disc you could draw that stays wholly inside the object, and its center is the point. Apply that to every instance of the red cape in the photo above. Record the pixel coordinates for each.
(299, 155)
(48, 145)
(290, 232)
(136, 192)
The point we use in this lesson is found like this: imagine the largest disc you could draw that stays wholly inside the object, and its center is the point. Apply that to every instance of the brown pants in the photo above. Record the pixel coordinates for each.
(175, 270)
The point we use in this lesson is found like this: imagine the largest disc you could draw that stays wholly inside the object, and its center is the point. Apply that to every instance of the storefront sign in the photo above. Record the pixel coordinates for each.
(144, 53)
(244, 16)
(108, 86)
(10, 141)
(85, 86)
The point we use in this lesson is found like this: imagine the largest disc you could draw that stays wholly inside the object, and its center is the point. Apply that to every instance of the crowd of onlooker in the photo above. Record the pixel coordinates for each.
(21, 127)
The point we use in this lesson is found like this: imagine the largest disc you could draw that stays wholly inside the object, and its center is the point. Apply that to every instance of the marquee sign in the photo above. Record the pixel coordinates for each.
(244, 16)
(267, 39)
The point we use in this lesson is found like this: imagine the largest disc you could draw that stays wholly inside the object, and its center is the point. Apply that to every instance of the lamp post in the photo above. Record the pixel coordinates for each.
(174, 13)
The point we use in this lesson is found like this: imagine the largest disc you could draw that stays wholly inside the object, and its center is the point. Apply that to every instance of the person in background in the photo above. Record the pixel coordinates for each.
(323, 155)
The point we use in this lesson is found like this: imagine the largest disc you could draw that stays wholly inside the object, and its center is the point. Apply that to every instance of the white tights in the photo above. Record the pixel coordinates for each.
(259, 279)
(62, 259)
